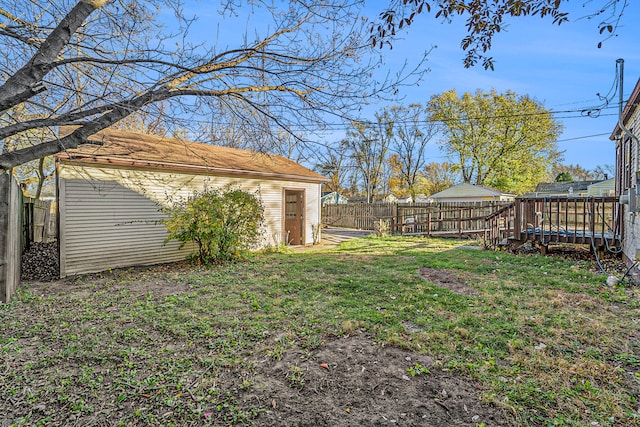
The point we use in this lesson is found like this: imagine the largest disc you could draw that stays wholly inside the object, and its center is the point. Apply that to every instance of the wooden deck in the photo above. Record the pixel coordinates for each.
(592, 221)
(595, 221)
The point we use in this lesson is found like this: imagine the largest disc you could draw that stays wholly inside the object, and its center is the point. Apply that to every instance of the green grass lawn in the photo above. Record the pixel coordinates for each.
(544, 336)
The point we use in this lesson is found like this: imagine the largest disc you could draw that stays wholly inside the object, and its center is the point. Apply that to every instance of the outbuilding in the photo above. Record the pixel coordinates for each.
(110, 191)
(471, 193)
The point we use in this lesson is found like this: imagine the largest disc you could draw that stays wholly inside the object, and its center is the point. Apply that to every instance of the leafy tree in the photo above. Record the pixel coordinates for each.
(579, 173)
(33, 175)
(503, 141)
(484, 19)
(36, 175)
(395, 182)
(437, 177)
(564, 177)
(92, 63)
(576, 172)
(224, 223)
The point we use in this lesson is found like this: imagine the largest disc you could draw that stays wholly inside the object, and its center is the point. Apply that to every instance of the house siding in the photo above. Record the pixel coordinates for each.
(109, 217)
(604, 188)
(626, 168)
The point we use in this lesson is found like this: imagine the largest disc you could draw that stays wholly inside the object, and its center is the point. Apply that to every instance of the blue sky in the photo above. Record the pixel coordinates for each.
(560, 66)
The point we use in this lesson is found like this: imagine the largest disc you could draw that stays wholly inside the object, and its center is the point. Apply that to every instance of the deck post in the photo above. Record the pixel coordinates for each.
(592, 219)
(517, 226)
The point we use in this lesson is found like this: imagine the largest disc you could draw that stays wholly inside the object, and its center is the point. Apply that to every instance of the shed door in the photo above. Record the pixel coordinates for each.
(294, 216)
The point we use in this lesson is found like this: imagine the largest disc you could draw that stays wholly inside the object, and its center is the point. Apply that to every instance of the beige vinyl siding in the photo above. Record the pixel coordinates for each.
(631, 240)
(103, 230)
(109, 216)
(604, 188)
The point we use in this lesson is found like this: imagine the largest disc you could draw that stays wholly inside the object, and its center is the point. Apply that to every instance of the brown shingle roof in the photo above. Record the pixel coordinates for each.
(120, 148)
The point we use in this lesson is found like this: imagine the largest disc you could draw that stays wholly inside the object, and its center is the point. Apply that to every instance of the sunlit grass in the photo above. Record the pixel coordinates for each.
(542, 335)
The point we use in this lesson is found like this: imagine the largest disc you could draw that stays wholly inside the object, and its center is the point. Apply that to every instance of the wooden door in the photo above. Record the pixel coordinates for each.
(294, 217)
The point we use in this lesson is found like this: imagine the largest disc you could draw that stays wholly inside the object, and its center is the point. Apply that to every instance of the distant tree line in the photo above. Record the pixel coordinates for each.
(500, 140)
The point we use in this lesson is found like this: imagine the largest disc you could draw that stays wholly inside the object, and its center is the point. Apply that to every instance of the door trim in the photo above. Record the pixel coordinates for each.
(303, 209)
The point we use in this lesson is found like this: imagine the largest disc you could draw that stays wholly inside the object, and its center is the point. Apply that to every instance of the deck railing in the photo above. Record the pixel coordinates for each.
(500, 225)
(593, 221)
(460, 220)
(578, 220)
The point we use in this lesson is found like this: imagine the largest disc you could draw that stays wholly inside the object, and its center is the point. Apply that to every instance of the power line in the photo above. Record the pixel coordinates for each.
(583, 137)
(558, 115)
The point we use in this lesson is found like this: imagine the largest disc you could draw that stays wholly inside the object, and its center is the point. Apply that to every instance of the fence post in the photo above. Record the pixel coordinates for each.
(592, 218)
(10, 244)
(4, 232)
(394, 214)
(517, 219)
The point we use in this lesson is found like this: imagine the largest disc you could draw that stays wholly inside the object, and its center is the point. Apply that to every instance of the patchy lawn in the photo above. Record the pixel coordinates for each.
(396, 331)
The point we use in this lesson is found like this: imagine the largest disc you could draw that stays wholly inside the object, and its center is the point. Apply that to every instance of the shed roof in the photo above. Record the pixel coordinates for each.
(120, 148)
(468, 190)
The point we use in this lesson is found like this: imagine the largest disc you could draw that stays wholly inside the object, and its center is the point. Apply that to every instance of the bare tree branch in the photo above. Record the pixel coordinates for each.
(102, 62)
(25, 82)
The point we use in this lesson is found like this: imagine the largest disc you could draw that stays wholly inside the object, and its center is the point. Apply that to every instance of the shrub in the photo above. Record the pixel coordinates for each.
(224, 223)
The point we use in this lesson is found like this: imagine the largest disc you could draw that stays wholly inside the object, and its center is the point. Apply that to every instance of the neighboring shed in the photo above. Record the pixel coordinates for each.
(471, 193)
(421, 198)
(110, 194)
(334, 198)
(405, 200)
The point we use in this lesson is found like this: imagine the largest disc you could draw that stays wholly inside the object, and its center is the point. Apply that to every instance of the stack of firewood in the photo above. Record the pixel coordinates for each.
(40, 262)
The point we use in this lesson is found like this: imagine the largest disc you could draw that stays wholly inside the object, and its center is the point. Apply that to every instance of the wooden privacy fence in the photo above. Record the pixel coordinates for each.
(39, 221)
(361, 216)
(447, 218)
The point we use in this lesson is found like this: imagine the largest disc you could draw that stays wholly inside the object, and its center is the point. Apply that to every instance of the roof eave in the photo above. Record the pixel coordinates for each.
(76, 159)
(629, 109)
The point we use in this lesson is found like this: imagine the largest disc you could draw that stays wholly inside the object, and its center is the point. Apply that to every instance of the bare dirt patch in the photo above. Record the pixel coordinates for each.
(447, 280)
(354, 382)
